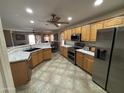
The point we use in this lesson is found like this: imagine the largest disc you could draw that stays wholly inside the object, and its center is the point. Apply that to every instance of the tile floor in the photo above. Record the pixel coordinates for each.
(59, 76)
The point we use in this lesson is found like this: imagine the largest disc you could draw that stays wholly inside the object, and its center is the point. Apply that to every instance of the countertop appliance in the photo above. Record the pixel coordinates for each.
(109, 60)
(76, 37)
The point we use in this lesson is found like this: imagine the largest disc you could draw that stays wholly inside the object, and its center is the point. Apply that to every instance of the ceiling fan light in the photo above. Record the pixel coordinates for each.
(59, 24)
(32, 21)
(98, 2)
(28, 10)
(69, 18)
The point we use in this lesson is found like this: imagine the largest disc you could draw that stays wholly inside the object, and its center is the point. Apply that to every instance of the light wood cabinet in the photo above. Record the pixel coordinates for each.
(21, 73)
(113, 22)
(88, 63)
(47, 54)
(85, 33)
(79, 59)
(78, 30)
(94, 28)
(73, 31)
(40, 56)
(34, 59)
(84, 61)
(64, 51)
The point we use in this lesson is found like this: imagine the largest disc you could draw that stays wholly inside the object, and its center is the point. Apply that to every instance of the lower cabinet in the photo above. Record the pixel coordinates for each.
(84, 61)
(47, 54)
(40, 56)
(79, 59)
(64, 51)
(21, 72)
(34, 58)
(37, 57)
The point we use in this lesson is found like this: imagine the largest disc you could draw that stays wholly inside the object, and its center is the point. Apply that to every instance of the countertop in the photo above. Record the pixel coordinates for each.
(86, 52)
(66, 46)
(21, 55)
(18, 56)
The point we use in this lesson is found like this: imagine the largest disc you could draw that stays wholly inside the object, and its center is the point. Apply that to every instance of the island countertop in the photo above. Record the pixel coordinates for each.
(21, 55)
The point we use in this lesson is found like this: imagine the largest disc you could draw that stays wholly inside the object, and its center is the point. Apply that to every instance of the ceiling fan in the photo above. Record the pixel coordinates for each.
(55, 20)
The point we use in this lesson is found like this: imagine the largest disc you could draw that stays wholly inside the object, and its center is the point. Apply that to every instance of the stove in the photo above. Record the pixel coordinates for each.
(72, 52)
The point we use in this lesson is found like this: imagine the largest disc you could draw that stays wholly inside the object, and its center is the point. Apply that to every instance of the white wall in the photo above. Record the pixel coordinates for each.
(6, 80)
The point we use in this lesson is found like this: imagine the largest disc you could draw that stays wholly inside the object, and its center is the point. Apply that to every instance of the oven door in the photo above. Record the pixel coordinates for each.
(71, 56)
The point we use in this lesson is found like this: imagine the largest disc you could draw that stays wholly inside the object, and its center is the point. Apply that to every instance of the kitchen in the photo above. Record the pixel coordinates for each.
(61, 52)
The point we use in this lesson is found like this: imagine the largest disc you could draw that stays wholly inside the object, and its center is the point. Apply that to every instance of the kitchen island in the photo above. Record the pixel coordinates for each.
(24, 58)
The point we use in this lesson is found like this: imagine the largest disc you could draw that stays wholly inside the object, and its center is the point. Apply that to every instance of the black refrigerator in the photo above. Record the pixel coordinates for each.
(108, 69)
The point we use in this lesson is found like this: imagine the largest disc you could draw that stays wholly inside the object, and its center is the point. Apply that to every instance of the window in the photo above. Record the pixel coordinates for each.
(31, 38)
(46, 38)
(52, 37)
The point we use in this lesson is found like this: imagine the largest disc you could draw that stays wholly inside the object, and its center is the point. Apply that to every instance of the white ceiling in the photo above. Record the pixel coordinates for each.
(14, 15)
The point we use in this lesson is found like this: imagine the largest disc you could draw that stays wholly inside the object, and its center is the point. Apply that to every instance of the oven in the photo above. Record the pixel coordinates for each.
(72, 51)
(71, 54)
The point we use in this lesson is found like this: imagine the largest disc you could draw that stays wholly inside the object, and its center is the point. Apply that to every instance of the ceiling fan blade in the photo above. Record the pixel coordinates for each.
(62, 22)
(56, 25)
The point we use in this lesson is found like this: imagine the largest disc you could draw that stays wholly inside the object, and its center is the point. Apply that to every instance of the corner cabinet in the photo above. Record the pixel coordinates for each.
(113, 22)
(85, 62)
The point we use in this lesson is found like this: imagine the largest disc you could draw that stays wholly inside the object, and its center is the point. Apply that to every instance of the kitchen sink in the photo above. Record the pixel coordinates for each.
(31, 49)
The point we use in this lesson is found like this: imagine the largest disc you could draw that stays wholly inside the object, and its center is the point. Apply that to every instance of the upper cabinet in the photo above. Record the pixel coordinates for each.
(89, 32)
(65, 35)
(73, 31)
(94, 28)
(78, 30)
(113, 22)
(85, 33)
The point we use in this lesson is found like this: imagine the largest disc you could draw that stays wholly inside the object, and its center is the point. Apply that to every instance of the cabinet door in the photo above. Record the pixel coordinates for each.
(79, 59)
(88, 63)
(94, 28)
(85, 33)
(19, 73)
(40, 56)
(78, 30)
(113, 22)
(73, 31)
(29, 68)
(34, 59)
(47, 54)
